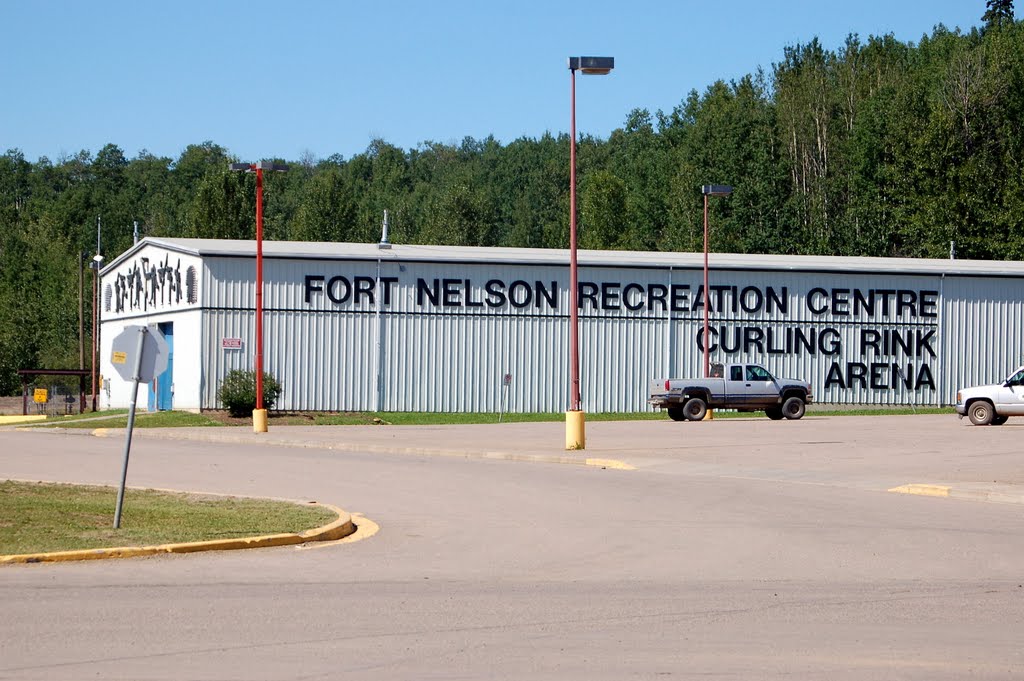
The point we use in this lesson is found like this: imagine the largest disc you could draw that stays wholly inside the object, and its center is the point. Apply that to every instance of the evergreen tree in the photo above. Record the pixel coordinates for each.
(998, 13)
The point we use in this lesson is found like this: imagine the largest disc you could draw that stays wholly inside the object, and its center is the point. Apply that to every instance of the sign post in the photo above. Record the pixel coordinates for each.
(506, 381)
(145, 351)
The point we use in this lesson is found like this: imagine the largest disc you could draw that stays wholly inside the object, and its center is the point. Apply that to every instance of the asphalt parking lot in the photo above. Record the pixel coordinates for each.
(735, 548)
(867, 452)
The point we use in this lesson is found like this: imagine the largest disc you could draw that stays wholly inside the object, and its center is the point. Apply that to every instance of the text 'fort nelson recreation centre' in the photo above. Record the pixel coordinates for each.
(356, 327)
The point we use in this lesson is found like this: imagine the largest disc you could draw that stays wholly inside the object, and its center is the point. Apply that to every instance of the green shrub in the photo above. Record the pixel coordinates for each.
(238, 392)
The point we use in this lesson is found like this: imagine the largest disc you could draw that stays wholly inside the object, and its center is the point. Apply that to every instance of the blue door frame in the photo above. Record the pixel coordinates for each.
(161, 393)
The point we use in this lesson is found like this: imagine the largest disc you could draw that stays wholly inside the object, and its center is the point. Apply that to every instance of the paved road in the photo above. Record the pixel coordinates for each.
(739, 549)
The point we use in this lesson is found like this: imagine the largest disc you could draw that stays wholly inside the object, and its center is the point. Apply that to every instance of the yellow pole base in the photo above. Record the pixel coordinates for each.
(575, 430)
(709, 415)
(259, 420)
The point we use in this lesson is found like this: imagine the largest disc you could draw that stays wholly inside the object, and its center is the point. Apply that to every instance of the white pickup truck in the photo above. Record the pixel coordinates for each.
(993, 404)
(743, 387)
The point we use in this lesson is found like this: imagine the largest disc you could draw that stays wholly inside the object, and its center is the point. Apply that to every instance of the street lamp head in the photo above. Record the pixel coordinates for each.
(274, 167)
(594, 66)
(716, 190)
(262, 165)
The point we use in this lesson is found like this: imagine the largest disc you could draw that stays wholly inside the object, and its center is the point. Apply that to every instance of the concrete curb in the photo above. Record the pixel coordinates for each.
(337, 529)
(999, 496)
(198, 436)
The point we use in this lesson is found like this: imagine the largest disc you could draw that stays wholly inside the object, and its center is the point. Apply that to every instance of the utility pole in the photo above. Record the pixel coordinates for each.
(81, 310)
(97, 260)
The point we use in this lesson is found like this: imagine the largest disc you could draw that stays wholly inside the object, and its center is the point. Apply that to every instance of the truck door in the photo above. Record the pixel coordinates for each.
(736, 386)
(760, 388)
(1010, 397)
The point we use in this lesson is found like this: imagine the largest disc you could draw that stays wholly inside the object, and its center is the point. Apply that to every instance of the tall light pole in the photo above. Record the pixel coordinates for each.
(709, 190)
(575, 429)
(97, 262)
(259, 415)
(81, 310)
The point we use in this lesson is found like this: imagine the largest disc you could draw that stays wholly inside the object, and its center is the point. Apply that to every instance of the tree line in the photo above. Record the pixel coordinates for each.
(877, 148)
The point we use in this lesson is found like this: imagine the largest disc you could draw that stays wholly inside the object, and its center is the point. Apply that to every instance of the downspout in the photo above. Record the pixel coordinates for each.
(668, 328)
(382, 245)
(942, 342)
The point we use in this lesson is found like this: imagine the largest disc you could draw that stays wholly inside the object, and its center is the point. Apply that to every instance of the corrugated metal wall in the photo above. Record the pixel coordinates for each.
(983, 322)
(451, 353)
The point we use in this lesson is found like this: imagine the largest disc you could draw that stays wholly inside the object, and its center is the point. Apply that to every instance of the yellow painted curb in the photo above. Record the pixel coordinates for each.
(922, 490)
(611, 463)
(4, 420)
(341, 527)
(1005, 494)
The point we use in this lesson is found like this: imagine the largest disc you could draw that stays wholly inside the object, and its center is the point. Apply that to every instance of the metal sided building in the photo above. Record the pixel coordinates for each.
(357, 327)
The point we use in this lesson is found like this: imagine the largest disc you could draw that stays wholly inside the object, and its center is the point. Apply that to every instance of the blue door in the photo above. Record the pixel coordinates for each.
(161, 389)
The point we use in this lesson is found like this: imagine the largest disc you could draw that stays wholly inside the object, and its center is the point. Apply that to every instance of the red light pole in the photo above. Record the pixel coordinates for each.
(95, 265)
(575, 433)
(709, 190)
(259, 415)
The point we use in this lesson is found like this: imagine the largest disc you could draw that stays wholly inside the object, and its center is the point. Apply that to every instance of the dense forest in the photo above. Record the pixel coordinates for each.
(877, 148)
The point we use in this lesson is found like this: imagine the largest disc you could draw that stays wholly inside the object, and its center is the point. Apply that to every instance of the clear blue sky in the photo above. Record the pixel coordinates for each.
(283, 79)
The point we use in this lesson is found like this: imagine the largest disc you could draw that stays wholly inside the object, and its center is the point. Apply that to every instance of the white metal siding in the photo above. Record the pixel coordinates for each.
(983, 324)
(452, 357)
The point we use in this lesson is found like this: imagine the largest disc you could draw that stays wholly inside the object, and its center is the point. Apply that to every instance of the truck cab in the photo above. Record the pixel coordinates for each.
(993, 404)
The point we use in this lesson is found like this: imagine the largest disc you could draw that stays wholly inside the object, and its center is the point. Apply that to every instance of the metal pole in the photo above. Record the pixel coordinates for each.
(95, 326)
(131, 423)
(259, 287)
(707, 299)
(81, 310)
(378, 357)
(574, 347)
(96, 309)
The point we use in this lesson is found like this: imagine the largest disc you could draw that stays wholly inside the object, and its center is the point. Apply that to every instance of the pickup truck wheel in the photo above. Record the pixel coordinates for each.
(676, 414)
(774, 413)
(998, 420)
(980, 413)
(695, 409)
(793, 408)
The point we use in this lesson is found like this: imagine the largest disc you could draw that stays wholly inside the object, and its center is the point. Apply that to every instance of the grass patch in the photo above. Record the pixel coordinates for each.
(840, 410)
(435, 419)
(143, 419)
(43, 517)
(425, 419)
(184, 419)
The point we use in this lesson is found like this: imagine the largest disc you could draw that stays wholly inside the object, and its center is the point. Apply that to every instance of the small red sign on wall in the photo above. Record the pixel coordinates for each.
(231, 343)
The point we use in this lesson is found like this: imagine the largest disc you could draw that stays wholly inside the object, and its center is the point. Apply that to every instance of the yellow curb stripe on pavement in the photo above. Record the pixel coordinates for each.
(999, 494)
(341, 527)
(613, 464)
(922, 490)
